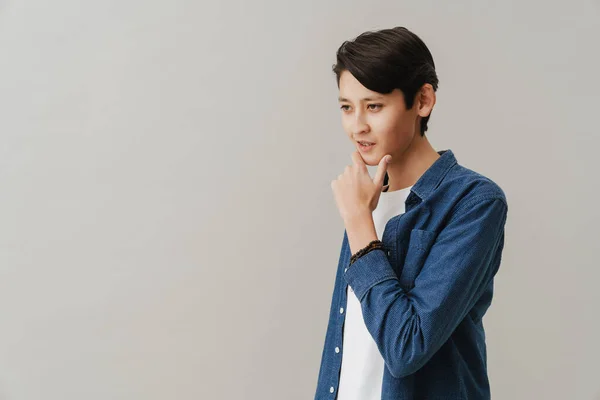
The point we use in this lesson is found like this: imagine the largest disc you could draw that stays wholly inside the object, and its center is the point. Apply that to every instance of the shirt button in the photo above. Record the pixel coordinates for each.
(345, 269)
(341, 310)
(388, 253)
(337, 349)
(331, 389)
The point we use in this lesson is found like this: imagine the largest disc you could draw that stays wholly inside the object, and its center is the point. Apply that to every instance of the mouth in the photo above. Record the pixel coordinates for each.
(365, 146)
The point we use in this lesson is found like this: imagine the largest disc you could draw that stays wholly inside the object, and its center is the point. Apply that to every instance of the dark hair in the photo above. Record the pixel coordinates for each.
(389, 59)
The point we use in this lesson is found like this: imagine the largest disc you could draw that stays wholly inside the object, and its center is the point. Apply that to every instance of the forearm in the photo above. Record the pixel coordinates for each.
(410, 326)
(389, 314)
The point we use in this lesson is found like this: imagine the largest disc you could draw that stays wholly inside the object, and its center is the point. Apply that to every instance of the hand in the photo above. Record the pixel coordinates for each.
(354, 191)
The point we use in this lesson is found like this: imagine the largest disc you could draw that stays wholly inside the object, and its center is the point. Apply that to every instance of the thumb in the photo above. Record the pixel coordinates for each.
(381, 170)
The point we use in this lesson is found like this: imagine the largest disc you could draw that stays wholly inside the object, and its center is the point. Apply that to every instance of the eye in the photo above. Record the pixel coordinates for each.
(373, 107)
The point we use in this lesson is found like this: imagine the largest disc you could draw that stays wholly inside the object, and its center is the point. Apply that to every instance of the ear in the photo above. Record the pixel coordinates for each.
(425, 100)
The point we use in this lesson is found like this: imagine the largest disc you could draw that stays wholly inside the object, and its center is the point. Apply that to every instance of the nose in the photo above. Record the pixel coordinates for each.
(359, 125)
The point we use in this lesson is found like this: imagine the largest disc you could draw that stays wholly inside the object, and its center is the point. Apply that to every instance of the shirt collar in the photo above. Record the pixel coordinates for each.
(434, 174)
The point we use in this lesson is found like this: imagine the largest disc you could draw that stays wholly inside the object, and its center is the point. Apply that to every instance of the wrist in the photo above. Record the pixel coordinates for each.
(359, 217)
(360, 229)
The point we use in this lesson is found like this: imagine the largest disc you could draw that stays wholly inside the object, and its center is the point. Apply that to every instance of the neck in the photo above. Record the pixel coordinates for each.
(406, 169)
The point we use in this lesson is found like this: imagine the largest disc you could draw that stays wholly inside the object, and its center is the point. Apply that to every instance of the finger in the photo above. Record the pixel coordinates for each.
(381, 170)
(358, 160)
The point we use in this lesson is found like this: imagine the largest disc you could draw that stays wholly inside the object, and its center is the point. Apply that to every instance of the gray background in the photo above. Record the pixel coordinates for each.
(167, 225)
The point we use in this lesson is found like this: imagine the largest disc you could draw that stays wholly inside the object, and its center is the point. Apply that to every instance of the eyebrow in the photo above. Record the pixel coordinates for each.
(364, 99)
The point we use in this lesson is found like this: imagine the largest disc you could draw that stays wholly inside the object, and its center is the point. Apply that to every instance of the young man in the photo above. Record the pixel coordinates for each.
(406, 319)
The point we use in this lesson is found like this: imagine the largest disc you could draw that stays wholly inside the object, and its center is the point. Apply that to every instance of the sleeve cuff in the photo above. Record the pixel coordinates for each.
(367, 271)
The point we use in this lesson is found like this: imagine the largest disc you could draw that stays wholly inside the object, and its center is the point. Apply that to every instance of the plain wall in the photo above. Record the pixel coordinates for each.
(167, 225)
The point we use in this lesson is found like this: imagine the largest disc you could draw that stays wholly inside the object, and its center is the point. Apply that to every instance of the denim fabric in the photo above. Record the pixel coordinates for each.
(424, 295)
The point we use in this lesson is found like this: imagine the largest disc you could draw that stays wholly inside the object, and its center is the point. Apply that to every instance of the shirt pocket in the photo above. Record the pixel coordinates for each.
(419, 244)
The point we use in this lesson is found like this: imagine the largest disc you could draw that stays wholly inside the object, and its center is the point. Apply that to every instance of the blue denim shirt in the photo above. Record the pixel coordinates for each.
(424, 295)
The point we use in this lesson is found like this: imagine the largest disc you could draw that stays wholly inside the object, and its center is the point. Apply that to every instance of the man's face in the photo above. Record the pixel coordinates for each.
(377, 118)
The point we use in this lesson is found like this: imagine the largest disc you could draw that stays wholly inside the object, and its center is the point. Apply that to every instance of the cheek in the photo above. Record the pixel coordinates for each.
(395, 137)
(347, 130)
(400, 129)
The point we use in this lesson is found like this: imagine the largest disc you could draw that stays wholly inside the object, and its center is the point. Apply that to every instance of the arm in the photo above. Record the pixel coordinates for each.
(409, 327)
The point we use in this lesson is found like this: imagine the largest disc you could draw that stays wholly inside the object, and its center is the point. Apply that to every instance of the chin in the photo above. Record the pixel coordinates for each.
(371, 160)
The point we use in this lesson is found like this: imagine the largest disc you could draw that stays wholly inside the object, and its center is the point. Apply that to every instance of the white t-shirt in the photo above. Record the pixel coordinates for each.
(361, 374)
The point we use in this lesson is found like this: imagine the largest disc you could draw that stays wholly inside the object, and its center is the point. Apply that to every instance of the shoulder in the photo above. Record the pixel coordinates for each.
(468, 187)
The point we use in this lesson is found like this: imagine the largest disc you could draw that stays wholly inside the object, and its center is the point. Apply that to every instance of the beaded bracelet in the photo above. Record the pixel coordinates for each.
(375, 244)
